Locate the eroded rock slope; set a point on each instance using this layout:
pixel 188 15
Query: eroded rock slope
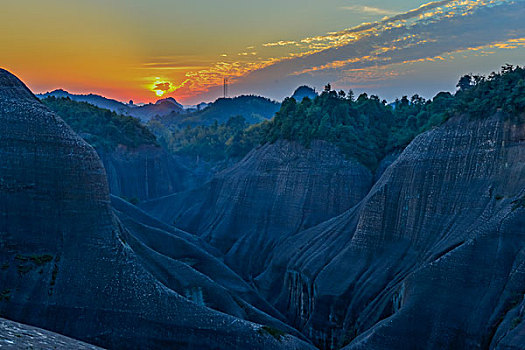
pixel 276 190
pixel 432 258
pixel 14 335
pixel 66 264
pixel 146 172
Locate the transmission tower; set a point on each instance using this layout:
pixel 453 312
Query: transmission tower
pixel 225 87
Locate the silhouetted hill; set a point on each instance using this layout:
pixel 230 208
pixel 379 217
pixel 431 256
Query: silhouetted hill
pixel 96 100
pixel 254 109
pixel 163 107
pixel 143 112
pixel 304 91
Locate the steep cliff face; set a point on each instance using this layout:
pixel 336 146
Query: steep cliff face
pixel 65 261
pixel 276 190
pixel 146 172
pixel 432 258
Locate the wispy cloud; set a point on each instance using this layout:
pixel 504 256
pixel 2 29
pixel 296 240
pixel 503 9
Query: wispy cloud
pixel 427 33
pixel 369 10
pixel 280 43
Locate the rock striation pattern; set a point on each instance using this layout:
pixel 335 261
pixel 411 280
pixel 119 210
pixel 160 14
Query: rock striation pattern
pixel 146 172
pixel 275 191
pixel 189 266
pixel 65 261
pixel 14 335
pixel 433 257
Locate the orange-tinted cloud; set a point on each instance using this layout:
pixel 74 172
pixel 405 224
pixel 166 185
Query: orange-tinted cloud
pixel 425 34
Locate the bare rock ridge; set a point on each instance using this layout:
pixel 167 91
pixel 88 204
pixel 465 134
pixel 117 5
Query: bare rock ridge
pixel 68 262
pixel 276 190
pixel 432 258
pixel 14 335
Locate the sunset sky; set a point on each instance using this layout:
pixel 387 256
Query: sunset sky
pixel 140 50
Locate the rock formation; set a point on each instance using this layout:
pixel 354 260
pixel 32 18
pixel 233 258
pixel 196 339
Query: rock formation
pixel 146 172
pixel 428 252
pixel 67 261
pixel 275 191
pixel 432 258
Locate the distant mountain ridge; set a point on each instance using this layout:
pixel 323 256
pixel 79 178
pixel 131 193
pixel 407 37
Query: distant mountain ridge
pixel 254 109
pixel 143 112
pixel 97 100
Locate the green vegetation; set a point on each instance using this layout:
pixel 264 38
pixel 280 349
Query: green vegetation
pixel 55 271
pixel 23 269
pixel 54 275
pixel 367 129
pixel 101 127
pixel 232 139
pixel 132 200
pixel 274 332
pixel 480 96
pixel 254 109
pixel 518 203
pixel 364 128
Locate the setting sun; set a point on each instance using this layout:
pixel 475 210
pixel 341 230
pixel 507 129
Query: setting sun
pixel 161 87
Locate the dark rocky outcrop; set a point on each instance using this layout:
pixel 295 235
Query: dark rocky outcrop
pixel 432 258
pixel 276 190
pixel 67 261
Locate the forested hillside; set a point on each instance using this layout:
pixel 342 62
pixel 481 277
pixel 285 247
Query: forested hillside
pixel 367 128
pixel 101 127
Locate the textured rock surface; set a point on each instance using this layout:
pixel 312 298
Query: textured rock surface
pixel 276 190
pixel 65 264
pixel 186 264
pixel 432 258
pixel 145 173
pixel 14 335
